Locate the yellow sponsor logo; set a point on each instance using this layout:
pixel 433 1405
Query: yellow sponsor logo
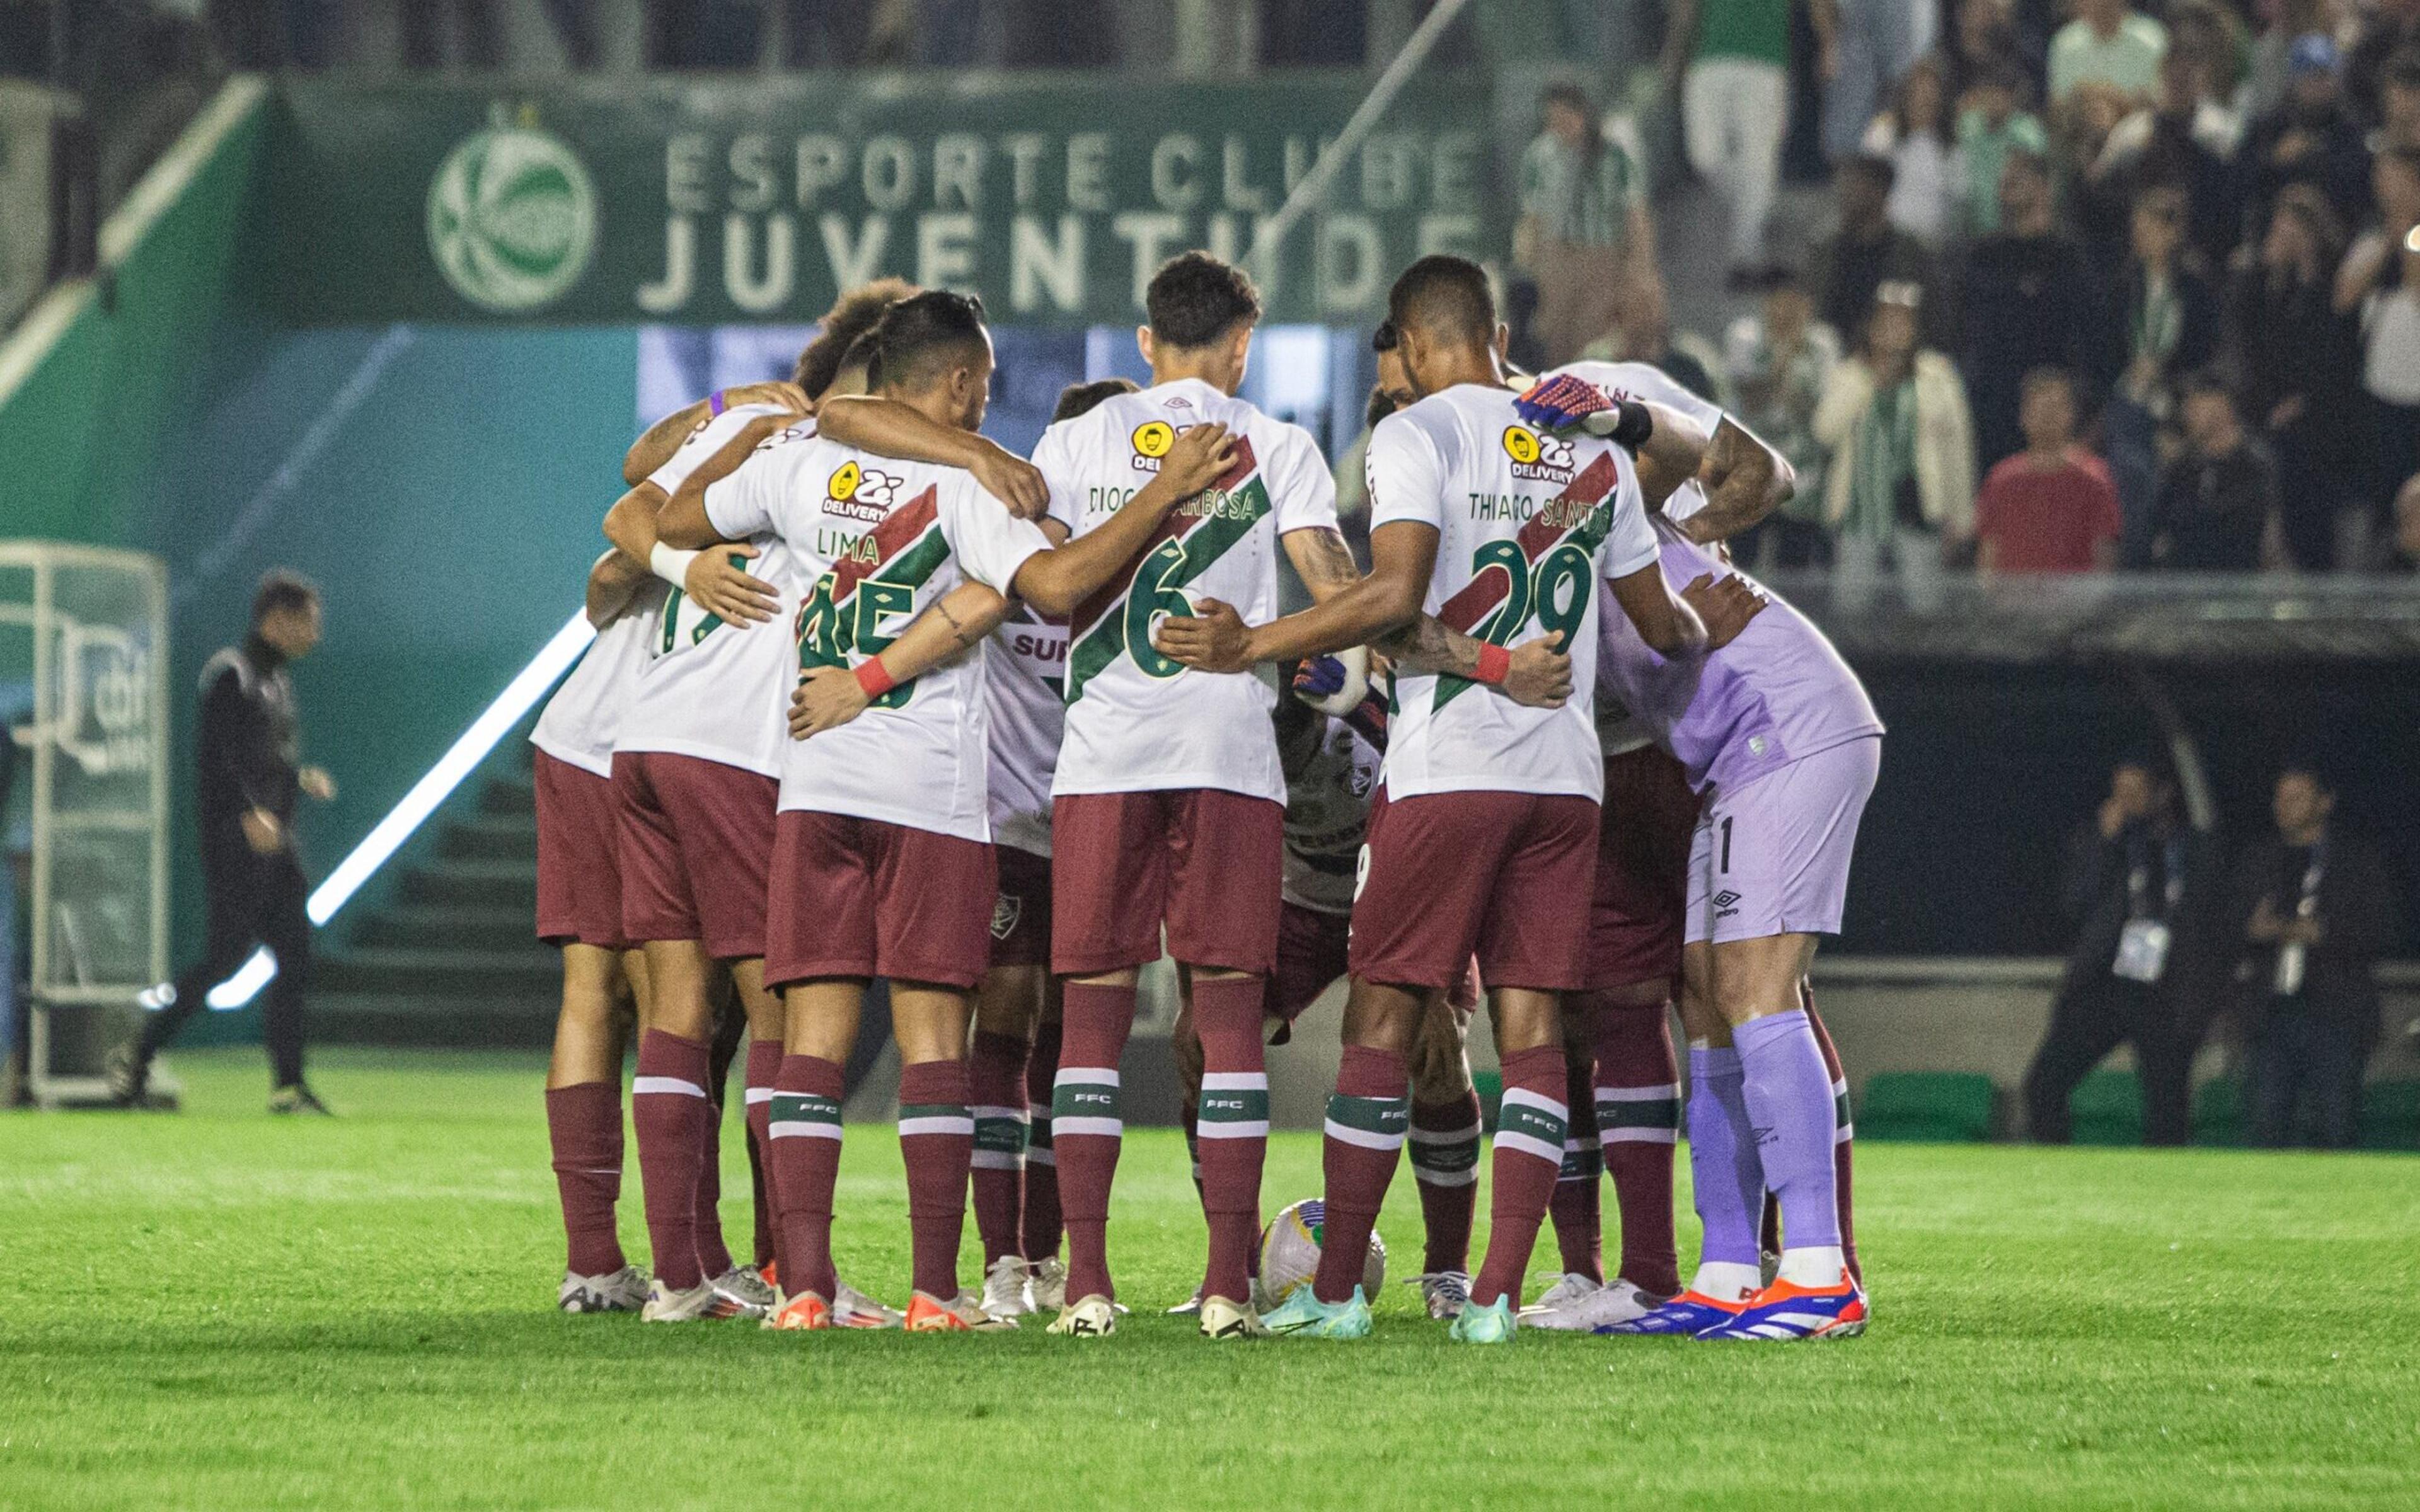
pixel 1521 443
pixel 1153 439
pixel 844 481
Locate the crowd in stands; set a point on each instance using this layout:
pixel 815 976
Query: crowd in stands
pixel 2101 288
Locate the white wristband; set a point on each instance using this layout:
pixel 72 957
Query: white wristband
pixel 671 565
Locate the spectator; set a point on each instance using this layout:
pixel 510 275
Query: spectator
pixel 2170 329
pixel 2309 138
pixel 1901 478
pixel 1990 129
pixel 2212 42
pixel 2172 142
pixel 2389 27
pixel 1867 251
pixel 1779 361
pixel 2283 21
pixel 1734 93
pixel 2298 360
pixel 1983 42
pixel 1584 230
pixel 2107 43
pixel 2315 908
pixel 2027 298
pixel 1642 333
pixel 2217 507
pixel 2050 507
pixel 2381 282
pixel 1918 135
pixel 1864 49
pixel 2141 887
pixel 2398 110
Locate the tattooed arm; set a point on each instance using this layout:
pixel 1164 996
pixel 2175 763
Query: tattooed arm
pixel 958 621
pixel 1744 479
pixel 1539 674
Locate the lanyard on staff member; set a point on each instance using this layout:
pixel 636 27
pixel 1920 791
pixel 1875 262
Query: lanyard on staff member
pixel 2143 944
pixel 2293 955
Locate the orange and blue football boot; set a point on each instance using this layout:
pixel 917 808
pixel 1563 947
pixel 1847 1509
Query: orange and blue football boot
pixel 1688 1315
pixel 1785 1311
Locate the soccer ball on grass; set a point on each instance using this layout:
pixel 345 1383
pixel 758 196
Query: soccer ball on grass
pixel 1290 1255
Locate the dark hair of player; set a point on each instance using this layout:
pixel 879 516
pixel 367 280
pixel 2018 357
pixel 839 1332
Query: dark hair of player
pixel 1385 338
pixel 2048 375
pixel 1082 398
pixel 852 315
pixel 282 588
pixel 1445 297
pixel 1382 404
pixel 1195 299
pixel 922 335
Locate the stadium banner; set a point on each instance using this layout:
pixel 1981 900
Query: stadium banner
pixel 701 203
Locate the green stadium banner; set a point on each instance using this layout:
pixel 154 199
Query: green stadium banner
pixel 707 202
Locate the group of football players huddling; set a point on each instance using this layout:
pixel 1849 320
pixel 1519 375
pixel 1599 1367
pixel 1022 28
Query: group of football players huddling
pixel 873 699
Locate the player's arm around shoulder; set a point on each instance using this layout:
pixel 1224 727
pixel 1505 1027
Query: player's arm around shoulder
pixel 664 527
pixel 1056 580
pixel 829 696
pixel 891 428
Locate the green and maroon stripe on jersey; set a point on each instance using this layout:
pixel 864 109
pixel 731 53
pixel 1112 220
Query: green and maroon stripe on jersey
pixel 1185 545
pixel 1572 516
pixel 880 576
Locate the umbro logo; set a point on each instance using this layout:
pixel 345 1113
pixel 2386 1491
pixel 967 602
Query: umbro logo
pixel 1726 898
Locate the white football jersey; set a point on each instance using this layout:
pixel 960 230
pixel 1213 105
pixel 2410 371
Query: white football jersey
pixel 711 690
pixel 1527 524
pixel 877 541
pixel 1617 728
pixel 1136 721
pixel 580 721
pixel 1326 818
pixel 1025 666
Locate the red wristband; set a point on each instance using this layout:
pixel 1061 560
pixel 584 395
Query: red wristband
pixel 1494 662
pixel 871 677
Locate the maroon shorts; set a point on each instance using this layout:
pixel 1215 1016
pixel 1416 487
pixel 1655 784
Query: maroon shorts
pixel 1310 956
pixel 1206 862
pixel 1499 875
pixel 578 875
pixel 863 898
pixel 1642 870
pixel 696 837
pixel 1020 914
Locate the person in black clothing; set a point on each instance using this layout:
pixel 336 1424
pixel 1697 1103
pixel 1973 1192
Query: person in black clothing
pixel 247 758
pixel 2311 137
pixel 2027 298
pixel 2314 909
pixel 2217 509
pixel 2170 330
pixel 1867 250
pixel 2143 886
pixel 2300 361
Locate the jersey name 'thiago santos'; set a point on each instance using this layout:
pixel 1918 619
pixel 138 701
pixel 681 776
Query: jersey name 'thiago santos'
pixel 708 688
pixel 1527 523
pixel 877 541
pixel 1136 721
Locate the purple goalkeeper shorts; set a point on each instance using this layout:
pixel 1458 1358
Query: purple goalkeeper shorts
pixel 1772 857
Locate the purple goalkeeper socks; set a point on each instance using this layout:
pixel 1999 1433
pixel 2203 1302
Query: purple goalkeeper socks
pixel 1789 1097
pixel 1727 1179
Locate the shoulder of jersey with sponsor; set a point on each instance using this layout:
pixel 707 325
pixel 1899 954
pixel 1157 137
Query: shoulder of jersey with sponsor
pixel 1538 458
pixel 803 431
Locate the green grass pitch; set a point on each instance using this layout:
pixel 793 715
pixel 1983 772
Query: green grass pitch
pixel 221 1310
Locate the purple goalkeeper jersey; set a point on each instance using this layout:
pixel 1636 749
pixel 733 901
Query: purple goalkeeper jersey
pixel 1773 696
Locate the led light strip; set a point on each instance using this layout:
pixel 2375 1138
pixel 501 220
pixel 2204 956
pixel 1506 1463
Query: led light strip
pixel 435 786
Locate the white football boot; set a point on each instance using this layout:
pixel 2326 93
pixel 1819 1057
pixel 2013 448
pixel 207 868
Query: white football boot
pixel 623 1291
pixel 1007 1289
pixel 1616 1301
pixel 853 1308
pixel 745 1289
pixel 1225 1319
pixel 1090 1317
pixel 1445 1293
pixel 1568 1288
pixel 694 1304
pixel 1050 1285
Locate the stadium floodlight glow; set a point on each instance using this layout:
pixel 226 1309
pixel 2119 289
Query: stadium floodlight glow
pixel 435 786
